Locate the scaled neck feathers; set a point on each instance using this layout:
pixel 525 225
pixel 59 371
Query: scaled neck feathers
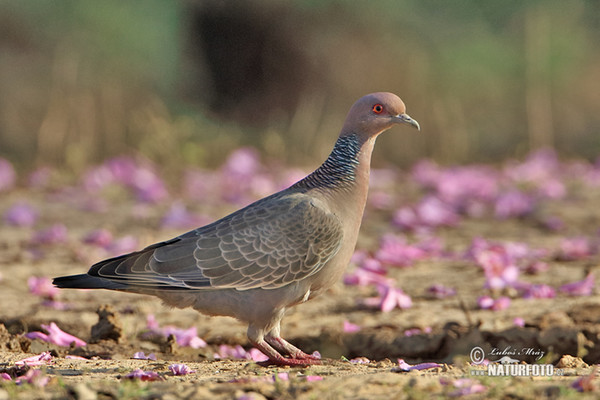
pixel 339 170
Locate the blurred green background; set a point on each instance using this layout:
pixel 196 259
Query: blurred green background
pixel 185 82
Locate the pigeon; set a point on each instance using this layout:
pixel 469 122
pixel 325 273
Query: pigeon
pixel 273 254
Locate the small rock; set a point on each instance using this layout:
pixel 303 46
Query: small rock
pixel 568 361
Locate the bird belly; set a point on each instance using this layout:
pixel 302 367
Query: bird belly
pixel 246 305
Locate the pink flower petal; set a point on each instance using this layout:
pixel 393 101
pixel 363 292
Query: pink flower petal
pixel 42 286
pixel 576 248
pixel 56 336
pixel 180 369
pixel 35 361
pixel 539 291
pixel 514 204
pixel 487 303
pixel 350 327
pixel 149 376
pixel 55 234
pixel 184 337
pixel 37 335
pixel 536 267
pixel 584 287
pixel 403 366
pixel 394 251
pixel 364 277
pixel 440 291
pixel 33 377
pixel 57 305
pixel 61 338
pixel 392 298
pixel 40 178
pixel 585 383
pixel 235 352
pixel 257 355
pixel 21 214
pixel 99 237
pixel 313 378
pixel 465 387
pixel 140 355
pixel 498 267
pixel 360 360
pixel 417 331
pixel 281 376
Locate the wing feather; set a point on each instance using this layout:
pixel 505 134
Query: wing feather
pixel 268 244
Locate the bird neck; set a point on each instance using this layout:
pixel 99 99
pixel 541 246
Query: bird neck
pixel 347 165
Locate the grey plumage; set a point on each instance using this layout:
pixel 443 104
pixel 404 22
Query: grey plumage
pixel 274 253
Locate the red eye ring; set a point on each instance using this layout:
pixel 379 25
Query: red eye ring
pixel 377 108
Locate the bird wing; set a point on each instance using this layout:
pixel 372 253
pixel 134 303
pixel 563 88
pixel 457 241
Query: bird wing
pixel 268 244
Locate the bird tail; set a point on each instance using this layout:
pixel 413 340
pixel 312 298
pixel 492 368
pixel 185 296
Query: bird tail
pixel 85 281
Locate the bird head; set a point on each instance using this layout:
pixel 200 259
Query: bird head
pixel 375 113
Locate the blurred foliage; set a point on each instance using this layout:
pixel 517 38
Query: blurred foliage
pixel 188 81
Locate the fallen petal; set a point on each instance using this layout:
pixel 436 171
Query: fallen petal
pixel 466 386
pixel 281 376
pixel 140 355
pixel 579 288
pixel 55 234
pixel 149 376
pixel 349 327
pixel 257 355
pixel 61 338
pixel 313 378
pixel 403 366
pixel 180 369
pixel 98 237
pixel 585 383
pixel 42 286
pixel 440 291
pixel 360 360
pixel 34 361
pixel 34 377
pixel 21 214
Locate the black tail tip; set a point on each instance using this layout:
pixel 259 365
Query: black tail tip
pixel 82 281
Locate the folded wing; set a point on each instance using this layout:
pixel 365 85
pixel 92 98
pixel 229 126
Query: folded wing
pixel 268 244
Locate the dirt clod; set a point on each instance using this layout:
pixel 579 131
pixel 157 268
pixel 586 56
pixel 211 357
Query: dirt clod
pixel 108 327
pixel 8 341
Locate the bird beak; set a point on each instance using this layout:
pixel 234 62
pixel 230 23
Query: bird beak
pixel 406 119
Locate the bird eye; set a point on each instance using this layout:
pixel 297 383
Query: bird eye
pixel 377 108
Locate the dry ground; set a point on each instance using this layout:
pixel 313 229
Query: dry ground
pixel 560 326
